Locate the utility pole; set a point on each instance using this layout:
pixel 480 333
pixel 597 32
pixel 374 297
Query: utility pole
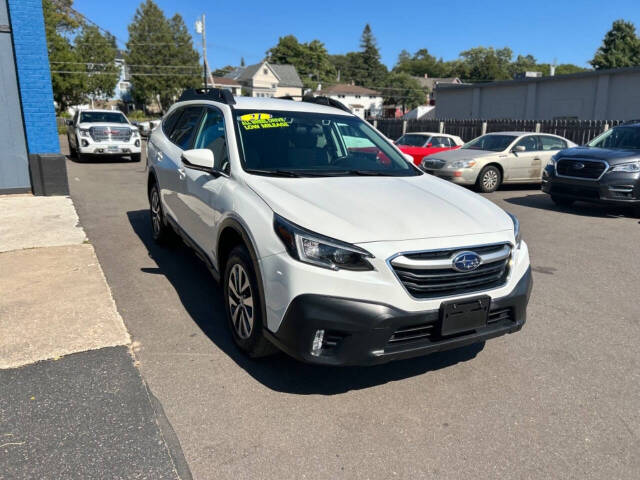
pixel 201 28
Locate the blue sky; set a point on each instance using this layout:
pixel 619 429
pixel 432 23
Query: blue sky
pixel 567 30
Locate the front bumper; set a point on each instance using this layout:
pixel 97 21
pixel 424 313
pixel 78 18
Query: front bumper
pixel 462 176
pixel 87 146
pixel 617 188
pixel 358 332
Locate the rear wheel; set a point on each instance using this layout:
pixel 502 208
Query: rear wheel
pixel 489 179
pixel 161 232
pixel 562 201
pixel 244 305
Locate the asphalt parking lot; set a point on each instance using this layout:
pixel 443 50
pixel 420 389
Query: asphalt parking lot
pixel 560 399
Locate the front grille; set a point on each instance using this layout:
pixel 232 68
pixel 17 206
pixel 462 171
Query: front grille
pixel 430 332
pixel 431 274
pixel 584 192
pixel 587 169
pixel 433 163
pixel 103 134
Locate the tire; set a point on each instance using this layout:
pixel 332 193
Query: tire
pixel 161 232
pixel 562 201
pixel 489 179
pixel 243 305
pixel 636 211
pixel 73 151
pixel 135 157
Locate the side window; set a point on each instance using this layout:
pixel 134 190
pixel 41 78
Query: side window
pixel 212 136
pixel 439 142
pixel 170 121
pixel 185 128
pixel 530 143
pixel 352 138
pixel 552 143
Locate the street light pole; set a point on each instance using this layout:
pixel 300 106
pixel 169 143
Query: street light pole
pixel 201 28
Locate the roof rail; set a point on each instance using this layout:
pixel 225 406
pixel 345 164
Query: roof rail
pixel 327 101
pixel 215 94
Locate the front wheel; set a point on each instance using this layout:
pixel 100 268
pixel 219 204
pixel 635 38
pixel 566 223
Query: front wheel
pixel 244 305
pixel 135 157
pixel 489 179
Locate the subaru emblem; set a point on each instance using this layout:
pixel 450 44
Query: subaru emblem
pixel 579 166
pixel 466 261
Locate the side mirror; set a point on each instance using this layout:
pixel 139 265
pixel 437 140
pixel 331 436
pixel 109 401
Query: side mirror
pixel 69 123
pixel 407 157
pixel 198 159
pixel 519 148
pixel 429 145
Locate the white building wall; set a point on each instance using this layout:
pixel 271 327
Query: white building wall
pixel 371 103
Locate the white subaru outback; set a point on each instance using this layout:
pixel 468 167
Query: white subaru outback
pixel 103 132
pixel 334 248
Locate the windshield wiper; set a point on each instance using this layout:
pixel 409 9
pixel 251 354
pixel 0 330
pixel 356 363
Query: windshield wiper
pixel 273 173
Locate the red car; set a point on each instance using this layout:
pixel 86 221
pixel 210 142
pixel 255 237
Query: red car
pixel 421 144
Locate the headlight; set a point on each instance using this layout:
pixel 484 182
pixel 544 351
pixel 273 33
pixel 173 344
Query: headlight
pixel 135 133
pixel 461 164
pixel 516 229
pixel 315 249
pixel 631 167
pixel 552 161
pixel 84 132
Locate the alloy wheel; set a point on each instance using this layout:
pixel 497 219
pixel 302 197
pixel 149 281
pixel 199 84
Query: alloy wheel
pixel 156 217
pixel 490 180
pixel 240 299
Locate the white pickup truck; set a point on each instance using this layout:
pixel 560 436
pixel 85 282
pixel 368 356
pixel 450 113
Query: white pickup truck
pixel 103 132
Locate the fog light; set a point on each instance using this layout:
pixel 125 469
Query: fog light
pixel 137 143
pixel 85 143
pixel 316 346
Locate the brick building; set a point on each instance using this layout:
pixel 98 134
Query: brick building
pixel 30 159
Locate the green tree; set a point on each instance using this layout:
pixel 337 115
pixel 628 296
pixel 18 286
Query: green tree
pixel 372 71
pixel 348 67
pixel 161 56
pixel 60 26
pixel 620 47
pixel 486 64
pixel 98 52
pixel 420 64
pixel 524 63
pixel 402 89
pixel 311 59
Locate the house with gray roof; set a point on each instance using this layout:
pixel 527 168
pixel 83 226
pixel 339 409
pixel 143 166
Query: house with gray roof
pixel 266 79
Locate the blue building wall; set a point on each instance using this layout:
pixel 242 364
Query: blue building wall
pixel 34 76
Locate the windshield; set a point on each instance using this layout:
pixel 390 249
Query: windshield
pixel 412 140
pixel 315 144
pixel 491 143
pixel 102 117
pixel 624 138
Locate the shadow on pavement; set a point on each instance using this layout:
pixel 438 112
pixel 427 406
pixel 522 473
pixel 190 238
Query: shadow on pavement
pixel 101 159
pixel 202 298
pixel 542 201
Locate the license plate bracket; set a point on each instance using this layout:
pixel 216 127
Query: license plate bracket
pixel 464 315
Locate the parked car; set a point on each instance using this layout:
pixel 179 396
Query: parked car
pixel 605 170
pixel 313 243
pixel 421 144
pixel 103 132
pixel 496 158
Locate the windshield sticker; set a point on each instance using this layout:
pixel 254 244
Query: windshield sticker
pixel 256 121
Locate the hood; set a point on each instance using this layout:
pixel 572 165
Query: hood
pixel 463 154
pixel 372 209
pixel 106 124
pixel 611 156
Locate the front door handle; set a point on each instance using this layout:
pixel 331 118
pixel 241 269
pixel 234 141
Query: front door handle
pixel 181 173
pixel 536 159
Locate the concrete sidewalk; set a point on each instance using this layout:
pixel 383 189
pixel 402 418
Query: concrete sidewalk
pixel 54 299
pixel 72 402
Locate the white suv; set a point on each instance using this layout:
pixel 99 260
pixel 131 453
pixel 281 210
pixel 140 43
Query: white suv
pixel 103 132
pixel 334 248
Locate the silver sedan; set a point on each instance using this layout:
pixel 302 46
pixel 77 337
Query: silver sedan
pixel 497 158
